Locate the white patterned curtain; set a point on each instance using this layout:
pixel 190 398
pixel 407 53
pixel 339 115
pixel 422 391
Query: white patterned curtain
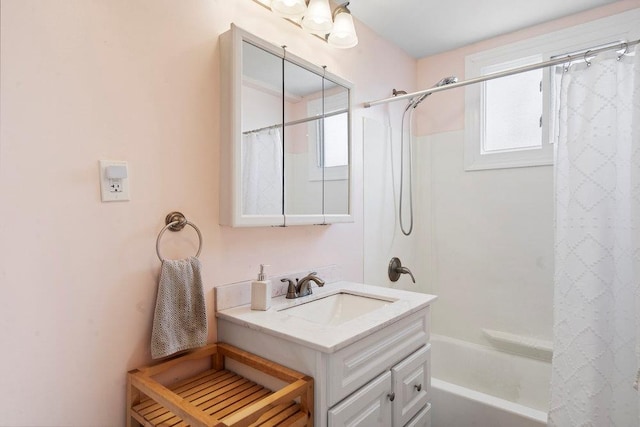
pixel 262 160
pixel 597 261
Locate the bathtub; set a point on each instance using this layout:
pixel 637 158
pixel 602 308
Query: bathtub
pixel 475 385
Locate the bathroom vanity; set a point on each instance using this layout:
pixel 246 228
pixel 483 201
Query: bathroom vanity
pixel 366 347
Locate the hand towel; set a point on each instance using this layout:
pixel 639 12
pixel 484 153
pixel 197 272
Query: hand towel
pixel 180 318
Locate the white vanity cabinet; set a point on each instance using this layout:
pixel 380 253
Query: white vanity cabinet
pixel 398 397
pixel 378 376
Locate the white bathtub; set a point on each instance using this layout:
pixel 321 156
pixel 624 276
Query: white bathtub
pixel 474 385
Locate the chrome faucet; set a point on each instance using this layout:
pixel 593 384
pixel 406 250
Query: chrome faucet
pixel 302 287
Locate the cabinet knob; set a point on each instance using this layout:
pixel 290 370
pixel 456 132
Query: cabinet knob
pixel 391 396
pixel 418 387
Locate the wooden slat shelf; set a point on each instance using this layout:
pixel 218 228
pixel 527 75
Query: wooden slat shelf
pixel 218 397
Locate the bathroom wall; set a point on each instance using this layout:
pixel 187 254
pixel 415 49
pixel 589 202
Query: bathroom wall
pixel 137 81
pixel 487 250
pixel 383 238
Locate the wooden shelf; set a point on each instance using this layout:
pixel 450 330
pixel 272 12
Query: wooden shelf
pixel 218 397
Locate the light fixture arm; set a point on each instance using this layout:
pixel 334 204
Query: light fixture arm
pixel 340 9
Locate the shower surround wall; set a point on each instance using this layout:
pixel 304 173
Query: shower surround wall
pixel 484 239
pixel 138 81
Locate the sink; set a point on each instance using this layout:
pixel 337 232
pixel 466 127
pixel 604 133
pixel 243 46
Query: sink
pixel 337 308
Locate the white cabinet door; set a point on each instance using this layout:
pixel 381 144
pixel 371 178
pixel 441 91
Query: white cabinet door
pixel 368 407
pixel 411 384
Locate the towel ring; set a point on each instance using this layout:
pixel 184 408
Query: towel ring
pixel 175 221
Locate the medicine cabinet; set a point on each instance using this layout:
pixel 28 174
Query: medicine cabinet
pixel 285 155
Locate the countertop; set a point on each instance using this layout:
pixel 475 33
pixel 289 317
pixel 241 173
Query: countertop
pixel 329 338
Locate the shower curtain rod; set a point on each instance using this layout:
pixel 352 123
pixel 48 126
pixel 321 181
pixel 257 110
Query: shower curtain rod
pixel 505 73
pixel 297 122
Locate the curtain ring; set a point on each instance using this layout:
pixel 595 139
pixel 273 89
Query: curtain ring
pixel 626 48
pixel 587 59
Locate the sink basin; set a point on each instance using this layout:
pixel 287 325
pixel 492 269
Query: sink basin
pixel 337 308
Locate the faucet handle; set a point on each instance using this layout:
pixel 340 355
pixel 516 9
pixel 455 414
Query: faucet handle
pixel 396 269
pixel 291 289
pixel 405 270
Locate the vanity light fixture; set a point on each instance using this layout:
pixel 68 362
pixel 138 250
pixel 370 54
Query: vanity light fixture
pixel 315 17
pixel 343 35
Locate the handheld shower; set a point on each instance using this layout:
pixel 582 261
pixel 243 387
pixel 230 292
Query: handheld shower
pixel 413 103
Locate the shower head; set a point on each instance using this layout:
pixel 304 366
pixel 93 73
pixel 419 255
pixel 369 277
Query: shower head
pixel 447 81
pixel 414 102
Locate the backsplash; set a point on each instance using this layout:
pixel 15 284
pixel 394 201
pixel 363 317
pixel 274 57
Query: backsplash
pixel 239 293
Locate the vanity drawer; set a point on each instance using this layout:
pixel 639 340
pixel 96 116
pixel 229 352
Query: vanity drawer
pixel 423 419
pixel 412 384
pixel 355 365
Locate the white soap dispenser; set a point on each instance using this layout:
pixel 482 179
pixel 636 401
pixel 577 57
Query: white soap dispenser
pixel 261 291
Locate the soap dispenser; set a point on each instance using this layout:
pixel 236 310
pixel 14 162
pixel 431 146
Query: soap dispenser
pixel 261 291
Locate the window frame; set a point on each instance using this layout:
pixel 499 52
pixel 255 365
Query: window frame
pixel 622 26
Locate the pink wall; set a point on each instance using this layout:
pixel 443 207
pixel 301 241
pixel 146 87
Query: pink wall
pixel 137 81
pixel 444 111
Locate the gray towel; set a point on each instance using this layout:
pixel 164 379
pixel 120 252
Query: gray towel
pixel 180 318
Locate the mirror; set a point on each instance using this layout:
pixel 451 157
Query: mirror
pixel 302 116
pixel 261 150
pixel 335 152
pixel 285 153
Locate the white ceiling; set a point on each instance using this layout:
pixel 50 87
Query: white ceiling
pixel 427 27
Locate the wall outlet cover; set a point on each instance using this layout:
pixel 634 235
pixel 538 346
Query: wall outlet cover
pixel 114 181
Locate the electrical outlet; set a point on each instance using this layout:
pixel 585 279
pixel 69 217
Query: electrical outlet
pixel 115 185
pixel 114 181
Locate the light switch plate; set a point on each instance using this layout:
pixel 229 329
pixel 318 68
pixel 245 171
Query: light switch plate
pixel 114 189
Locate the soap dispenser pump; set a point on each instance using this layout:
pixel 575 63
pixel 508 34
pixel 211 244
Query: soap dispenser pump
pixel 261 291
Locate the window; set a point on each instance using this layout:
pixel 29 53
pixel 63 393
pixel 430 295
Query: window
pixel 332 163
pixel 336 146
pixel 506 119
pixel 512 118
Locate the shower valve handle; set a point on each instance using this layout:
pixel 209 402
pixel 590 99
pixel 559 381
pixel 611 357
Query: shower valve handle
pixel 396 269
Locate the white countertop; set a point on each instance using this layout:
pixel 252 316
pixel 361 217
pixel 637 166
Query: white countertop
pixel 329 338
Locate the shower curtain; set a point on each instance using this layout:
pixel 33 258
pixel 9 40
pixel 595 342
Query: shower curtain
pixel 262 173
pixel 596 299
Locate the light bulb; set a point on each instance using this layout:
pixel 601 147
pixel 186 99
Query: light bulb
pixel 317 19
pixel 291 9
pixel 343 35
